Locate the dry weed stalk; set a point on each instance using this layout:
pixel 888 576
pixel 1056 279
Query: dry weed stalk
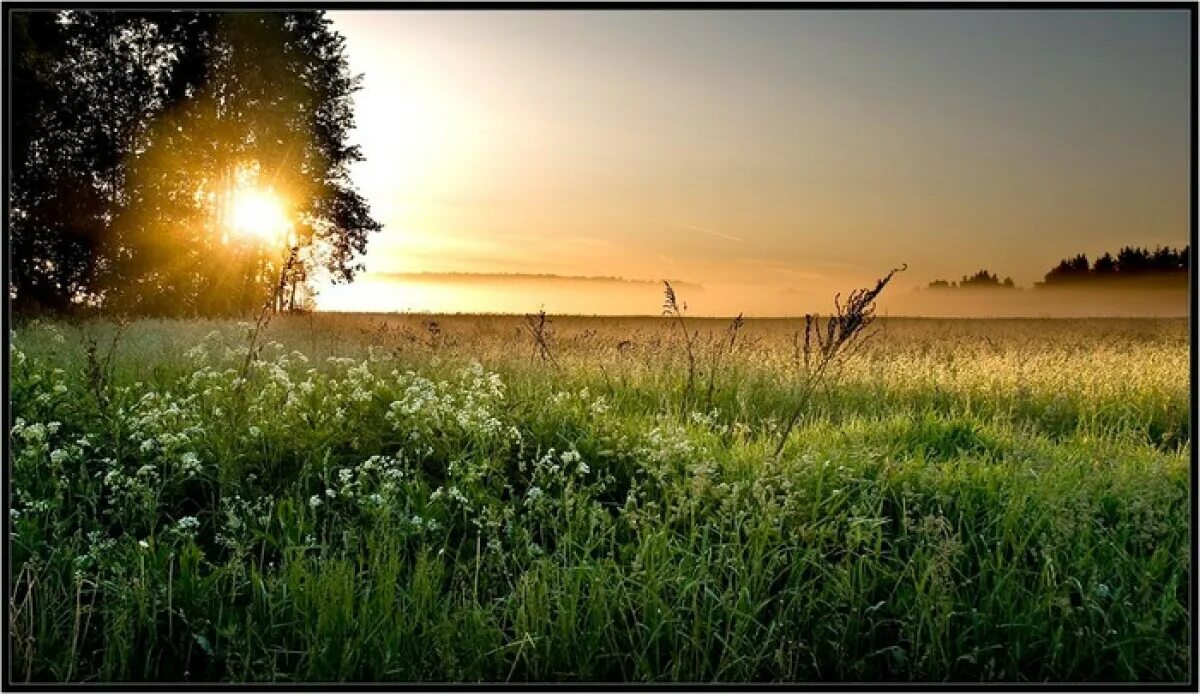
pixel 99 370
pixel 723 348
pixel 828 346
pixel 671 307
pixel 538 328
pixel 261 321
pixel 435 334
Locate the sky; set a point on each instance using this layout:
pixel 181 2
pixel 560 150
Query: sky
pixel 766 159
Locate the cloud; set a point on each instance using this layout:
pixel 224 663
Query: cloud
pixel 512 277
pixel 710 232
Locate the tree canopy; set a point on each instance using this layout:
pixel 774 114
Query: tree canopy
pixel 980 280
pixel 1131 262
pixel 1132 266
pixel 137 131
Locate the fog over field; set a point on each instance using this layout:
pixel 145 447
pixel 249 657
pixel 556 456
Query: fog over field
pixel 586 295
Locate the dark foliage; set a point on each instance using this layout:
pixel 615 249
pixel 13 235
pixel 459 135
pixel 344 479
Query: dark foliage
pixel 130 127
pixel 980 280
pixel 1130 263
pixel 1163 266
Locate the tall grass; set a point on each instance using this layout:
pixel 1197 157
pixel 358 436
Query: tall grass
pixel 373 499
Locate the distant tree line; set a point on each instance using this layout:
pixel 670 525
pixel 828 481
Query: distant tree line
pixel 980 280
pixel 1162 266
pixel 129 129
pixel 1130 263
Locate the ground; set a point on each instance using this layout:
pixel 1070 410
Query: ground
pixel 352 497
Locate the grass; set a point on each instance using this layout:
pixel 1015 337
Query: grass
pixel 379 500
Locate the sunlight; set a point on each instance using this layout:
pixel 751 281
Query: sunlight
pixel 258 214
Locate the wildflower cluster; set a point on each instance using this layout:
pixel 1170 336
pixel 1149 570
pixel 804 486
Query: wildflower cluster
pixel 425 407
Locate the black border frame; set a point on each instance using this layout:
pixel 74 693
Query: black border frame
pixel 1193 9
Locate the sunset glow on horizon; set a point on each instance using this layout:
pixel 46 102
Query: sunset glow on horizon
pixel 772 158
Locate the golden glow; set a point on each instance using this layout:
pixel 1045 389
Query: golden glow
pixel 258 214
pixel 756 165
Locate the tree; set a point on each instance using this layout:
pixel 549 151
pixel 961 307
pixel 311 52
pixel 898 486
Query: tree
pixel 980 280
pixel 1068 270
pixel 1105 265
pixel 1131 262
pixel 983 278
pixel 121 204
pixel 268 103
pixel 1166 260
pixel 68 156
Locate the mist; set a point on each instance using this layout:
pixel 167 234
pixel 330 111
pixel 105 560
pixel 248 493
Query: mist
pixel 517 293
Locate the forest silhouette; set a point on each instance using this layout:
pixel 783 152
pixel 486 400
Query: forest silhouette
pixel 1133 267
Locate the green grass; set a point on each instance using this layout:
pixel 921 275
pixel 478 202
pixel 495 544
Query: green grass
pixel 972 500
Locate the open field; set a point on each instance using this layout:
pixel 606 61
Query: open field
pixel 375 498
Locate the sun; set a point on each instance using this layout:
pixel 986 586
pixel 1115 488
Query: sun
pixel 257 213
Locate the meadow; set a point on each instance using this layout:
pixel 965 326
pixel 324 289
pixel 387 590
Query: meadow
pixel 438 498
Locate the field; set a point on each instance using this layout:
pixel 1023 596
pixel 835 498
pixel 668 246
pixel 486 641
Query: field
pixel 366 498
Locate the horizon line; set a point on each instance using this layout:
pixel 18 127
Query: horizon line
pixel 800 317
